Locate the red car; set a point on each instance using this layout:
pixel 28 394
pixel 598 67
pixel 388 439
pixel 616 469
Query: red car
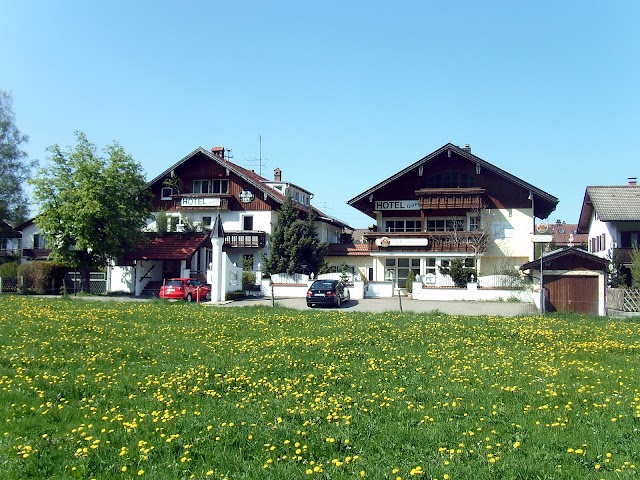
pixel 188 289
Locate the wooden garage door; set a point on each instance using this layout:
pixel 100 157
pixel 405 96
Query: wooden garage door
pixel 572 294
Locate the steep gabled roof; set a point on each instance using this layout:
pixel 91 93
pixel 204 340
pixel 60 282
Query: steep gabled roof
pixel 252 178
pixel 588 260
pixel 619 203
pixel 544 203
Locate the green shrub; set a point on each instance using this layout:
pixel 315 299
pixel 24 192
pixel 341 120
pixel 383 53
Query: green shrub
pixel 237 295
pixel 9 270
pixel 42 277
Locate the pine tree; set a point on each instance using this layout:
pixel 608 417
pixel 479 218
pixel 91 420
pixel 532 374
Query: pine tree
pixel 294 242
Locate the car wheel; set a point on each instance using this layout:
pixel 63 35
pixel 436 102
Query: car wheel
pixel 348 296
pixel 189 298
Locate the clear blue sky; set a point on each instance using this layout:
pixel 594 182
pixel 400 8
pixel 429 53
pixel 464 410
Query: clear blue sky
pixel 343 93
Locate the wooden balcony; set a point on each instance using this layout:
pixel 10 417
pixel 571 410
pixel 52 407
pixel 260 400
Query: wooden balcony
pixel 625 255
pixel 245 239
pixel 447 242
pixel 450 198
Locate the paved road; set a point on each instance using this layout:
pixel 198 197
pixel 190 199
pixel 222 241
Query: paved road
pixel 504 309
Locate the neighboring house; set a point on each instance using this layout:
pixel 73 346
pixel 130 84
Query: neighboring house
pixel 450 204
pixel 610 215
pixel 193 192
pixel 567 235
pixel 10 240
pixel 34 245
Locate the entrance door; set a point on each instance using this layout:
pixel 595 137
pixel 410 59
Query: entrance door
pixel 572 294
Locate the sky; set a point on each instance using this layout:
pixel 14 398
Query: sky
pixel 339 95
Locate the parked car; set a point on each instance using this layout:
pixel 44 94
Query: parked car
pixel 188 289
pixel 327 292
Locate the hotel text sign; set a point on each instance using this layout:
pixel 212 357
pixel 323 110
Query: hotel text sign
pixel 200 201
pixel 396 205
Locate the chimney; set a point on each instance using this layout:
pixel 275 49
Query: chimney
pixel 467 148
pixel 219 151
pixel 277 175
pixel 633 181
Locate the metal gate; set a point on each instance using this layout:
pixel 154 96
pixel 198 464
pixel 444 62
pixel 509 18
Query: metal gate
pixel 97 282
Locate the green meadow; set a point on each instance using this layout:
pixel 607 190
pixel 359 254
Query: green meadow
pixel 172 391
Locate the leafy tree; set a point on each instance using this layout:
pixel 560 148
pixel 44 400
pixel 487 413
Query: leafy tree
pixel 91 207
pixel 635 266
pixel 14 165
pixel 294 242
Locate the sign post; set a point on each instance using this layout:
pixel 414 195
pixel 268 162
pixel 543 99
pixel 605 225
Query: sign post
pixel 541 237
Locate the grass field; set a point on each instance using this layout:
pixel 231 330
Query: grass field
pixel 169 391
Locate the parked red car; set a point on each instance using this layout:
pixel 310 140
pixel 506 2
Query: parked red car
pixel 188 289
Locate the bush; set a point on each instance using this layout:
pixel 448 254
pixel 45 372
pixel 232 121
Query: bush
pixel 248 280
pixel 9 270
pixel 460 274
pixel 410 279
pixel 237 295
pixel 42 277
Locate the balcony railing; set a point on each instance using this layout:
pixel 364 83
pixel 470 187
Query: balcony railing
pixel 454 242
pixel 245 239
pixel 9 252
pixel 450 198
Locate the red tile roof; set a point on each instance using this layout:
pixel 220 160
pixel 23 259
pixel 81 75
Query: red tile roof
pixel 562 231
pixel 348 250
pixel 172 246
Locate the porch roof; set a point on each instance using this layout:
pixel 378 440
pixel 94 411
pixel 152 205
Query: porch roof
pixel 172 246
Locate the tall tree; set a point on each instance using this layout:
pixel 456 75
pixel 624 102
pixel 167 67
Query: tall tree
pixel 294 243
pixel 91 207
pixel 14 164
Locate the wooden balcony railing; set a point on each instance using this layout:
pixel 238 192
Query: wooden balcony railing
pixel 450 198
pixel 245 239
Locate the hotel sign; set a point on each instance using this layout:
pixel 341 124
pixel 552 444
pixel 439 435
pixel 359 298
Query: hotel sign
pixel 201 201
pixel 401 242
pixel 396 205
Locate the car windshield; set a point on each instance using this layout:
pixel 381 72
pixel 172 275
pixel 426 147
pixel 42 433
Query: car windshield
pixel 323 285
pixel 173 283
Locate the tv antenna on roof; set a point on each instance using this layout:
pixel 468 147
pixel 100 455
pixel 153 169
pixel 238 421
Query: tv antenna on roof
pixel 259 160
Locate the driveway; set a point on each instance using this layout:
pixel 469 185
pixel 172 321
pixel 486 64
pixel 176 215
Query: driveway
pixel 503 309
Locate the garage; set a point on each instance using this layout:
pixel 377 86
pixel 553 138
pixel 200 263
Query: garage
pixel 574 280
pixel 569 293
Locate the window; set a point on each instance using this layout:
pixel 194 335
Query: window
pixel 206 222
pixel 402 226
pixel 220 186
pixel 201 186
pixel 474 224
pixel 247 222
pixel 397 269
pixel 39 241
pixel 629 239
pixel 166 193
pixel 451 179
pixel 445 225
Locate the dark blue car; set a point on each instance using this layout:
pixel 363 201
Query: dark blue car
pixel 327 292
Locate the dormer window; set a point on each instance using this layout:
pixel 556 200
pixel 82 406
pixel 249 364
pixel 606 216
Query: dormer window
pixel 220 186
pixel 166 193
pixel 201 186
